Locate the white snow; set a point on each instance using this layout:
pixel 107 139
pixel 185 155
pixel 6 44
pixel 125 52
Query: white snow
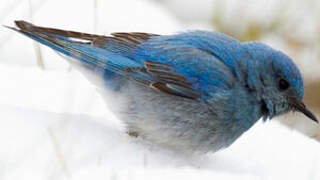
pixel 44 136
pixel 54 125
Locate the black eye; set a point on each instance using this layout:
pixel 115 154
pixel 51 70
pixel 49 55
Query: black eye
pixel 283 84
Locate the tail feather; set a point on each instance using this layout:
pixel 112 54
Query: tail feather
pixel 25 26
pixel 86 52
pixel 109 55
pixel 120 43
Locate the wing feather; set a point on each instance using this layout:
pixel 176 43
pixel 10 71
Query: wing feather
pixel 166 63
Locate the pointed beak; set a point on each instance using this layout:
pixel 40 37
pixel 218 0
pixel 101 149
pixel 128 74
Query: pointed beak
pixel 299 106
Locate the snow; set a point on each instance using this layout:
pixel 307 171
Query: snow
pixel 55 125
pixel 43 137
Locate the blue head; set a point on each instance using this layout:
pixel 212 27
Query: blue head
pixel 275 80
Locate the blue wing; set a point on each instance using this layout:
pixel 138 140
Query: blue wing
pixel 193 65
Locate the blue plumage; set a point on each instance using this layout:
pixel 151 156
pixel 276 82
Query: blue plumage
pixel 197 91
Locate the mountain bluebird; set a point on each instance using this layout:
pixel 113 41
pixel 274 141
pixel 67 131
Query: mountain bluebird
pixel 196 91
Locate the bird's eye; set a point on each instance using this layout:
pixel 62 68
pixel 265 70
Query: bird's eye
pixel 283 84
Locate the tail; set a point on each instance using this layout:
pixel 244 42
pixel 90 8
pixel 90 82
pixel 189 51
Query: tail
pixel 112 55
pixel 95 51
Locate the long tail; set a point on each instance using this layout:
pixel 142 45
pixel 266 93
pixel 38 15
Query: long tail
pixel 90 49
pixel 112 55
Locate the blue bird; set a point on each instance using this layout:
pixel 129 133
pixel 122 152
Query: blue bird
pixel 196 91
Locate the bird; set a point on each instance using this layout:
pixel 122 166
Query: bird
pixel 194 91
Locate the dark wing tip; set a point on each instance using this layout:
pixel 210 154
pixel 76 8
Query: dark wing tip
pixel 24 25
pixel 133 37
pixel 20 24
pixel 9 27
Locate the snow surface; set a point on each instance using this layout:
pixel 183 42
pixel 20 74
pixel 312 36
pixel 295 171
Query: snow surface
pixel 42 137
pixel 54 125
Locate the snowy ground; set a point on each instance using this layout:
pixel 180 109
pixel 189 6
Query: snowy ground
pixel 54 124
pixel 43 136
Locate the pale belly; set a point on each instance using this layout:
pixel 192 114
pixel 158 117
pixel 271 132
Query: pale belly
pixel 171 121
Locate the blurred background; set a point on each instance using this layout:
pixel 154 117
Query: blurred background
pixel 50 111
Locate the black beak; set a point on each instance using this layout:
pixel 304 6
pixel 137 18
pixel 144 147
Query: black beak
pixel 299 106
